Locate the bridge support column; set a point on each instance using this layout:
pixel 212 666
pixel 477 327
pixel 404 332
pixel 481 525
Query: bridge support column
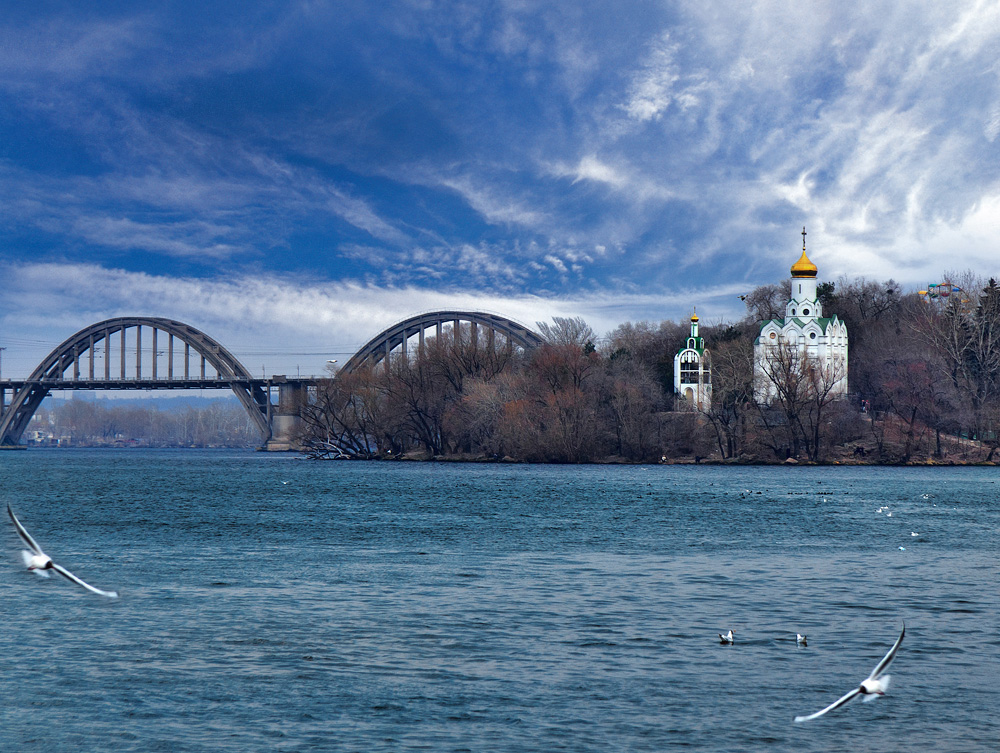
pixel 286 420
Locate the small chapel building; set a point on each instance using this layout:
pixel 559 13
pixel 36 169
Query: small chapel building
pixel 693 372
pixel 804 338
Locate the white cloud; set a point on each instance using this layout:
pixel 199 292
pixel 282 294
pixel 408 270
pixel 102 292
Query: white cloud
pixel 67 48
pixel 496 206
pixel 621 177
pixel 590 168
pixel 689 138
pixel 188 238
pixel 281 323
pixel 924 252
pixel 556 263
pixel 653 87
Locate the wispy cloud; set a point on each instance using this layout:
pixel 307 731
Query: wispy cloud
pixel 493 204
pixel 67 48
pixel 279 318
pixel 514 150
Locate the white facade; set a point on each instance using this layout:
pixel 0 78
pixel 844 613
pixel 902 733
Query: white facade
pixel 803 338
pixel 692 370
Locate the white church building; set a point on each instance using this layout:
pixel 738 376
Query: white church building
pixel 692 370
pixel 804 338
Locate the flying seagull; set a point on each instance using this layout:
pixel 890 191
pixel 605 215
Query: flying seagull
pixel 871 687
pixel 39 561
pixel 727 638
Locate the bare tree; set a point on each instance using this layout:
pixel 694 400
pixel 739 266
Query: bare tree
pixel 566 404
pixel 964 331
pixel 732 389
pixel 633 401
pixel 768 301
pixel 573 331
pixel 342 419
pixel 649 347
pixel 803 387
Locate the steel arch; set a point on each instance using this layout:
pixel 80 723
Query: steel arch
pixel 50 373
pixel 395 336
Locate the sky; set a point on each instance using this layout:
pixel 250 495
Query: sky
pixel 294 177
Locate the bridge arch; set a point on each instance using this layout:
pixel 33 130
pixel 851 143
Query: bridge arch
pixel 81 350
pixel 398 335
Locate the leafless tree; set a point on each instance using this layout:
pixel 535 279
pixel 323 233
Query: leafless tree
pixel 803 388
pixel 768 301
pixel 964 332
pixel 567 331
pixel 732 390
pixel 342 419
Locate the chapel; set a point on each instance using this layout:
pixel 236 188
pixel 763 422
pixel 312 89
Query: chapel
pixel 692 370
pixel 804 337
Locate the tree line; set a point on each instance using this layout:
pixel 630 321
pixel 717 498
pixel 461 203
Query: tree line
pixel 923 373
pixel 107 423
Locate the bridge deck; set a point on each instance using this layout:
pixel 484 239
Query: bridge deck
pixel 158 384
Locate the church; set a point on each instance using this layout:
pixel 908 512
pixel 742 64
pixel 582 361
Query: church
pixel 804 337
pixel 692 370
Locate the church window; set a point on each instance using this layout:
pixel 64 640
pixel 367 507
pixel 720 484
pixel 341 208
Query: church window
pixel 772 335
pixel 812 335
pixel 805 312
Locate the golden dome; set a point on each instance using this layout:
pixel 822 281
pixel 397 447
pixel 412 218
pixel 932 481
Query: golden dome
pixel 803 267
pixel 694 317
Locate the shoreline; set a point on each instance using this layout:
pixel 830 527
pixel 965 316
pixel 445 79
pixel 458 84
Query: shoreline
pixel 416 457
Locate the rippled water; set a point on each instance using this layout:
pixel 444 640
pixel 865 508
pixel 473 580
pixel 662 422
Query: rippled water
pixel 274 604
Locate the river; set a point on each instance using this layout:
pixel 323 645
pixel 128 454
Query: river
pixel 270 603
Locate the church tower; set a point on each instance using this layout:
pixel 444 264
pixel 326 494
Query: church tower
pixel 804 302
pixel 803 335
pixel 692 370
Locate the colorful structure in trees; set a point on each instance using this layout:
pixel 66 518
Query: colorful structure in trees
pixel 940 291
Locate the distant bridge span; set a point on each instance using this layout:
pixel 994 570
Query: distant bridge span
pixel 110 355
pixel 398 335
pixel 74 364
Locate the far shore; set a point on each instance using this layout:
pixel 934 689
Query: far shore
pixel 839 457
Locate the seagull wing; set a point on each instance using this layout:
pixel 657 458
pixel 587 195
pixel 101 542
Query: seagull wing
pixel 25 536
pixel 887 659
pixel 835 705
pixel 69 576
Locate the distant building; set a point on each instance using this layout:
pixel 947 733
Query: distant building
pixel 692 370
pixel 803 339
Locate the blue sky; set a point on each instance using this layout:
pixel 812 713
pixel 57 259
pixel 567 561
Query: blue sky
pixel 293 177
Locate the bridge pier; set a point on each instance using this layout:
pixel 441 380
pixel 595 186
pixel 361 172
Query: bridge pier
pixel 286 419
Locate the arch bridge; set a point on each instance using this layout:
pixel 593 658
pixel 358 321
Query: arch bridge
pixel 398 336
pixel 148 353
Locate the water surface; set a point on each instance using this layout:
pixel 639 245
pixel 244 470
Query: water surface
pixel 275 604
